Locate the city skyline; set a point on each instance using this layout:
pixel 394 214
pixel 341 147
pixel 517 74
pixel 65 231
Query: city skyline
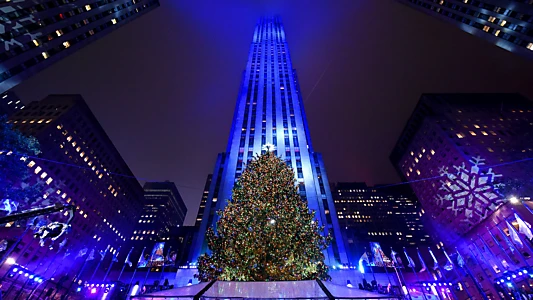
pixel 355 146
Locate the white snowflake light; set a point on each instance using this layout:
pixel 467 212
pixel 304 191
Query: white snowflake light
pixel 469 193
pixel 268 147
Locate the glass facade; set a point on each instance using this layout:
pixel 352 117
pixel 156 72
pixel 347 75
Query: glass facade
pixel 269 112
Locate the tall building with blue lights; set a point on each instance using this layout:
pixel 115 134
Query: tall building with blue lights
pixel 270 110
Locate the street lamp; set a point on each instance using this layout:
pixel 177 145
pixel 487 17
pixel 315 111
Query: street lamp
pixel 514 199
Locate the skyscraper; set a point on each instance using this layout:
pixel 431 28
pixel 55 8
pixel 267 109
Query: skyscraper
pixel 468 157
pixel 270 111
pixel 35 34
pixel 390 215
pixel 9 103
pixel 163 211
pixel 80 166
pixel 506 23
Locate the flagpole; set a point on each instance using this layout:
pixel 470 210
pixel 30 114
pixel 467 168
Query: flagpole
pixel 412 264
pixel 111 265
pixel 459 276
pixel 424 264
pixel 125 262
pixel 149 268
pixel 163 269
pixel 394 260
pixel 500 246
pixel 80 272
pixel 490 251
pixel 371 270
pixel 528 243
pixel 385 267
pixel 135 269
pixel 510 227
pixel 442 272
pixel 470 273
pixel 100 262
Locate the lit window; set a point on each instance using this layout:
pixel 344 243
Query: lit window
pixel 503 22
pixel 36 42
pixel 114 21
pixel 432 152
pixel 484 133
pixel 66 44
pixel 43 175
pixel 31 164
pixel 85 216
pixel 476 126
pixel 37 170
pixel 491 19
pixel 497 32
pixel 91 32
pixel 64 196
pixel 49 180
pixel 490 149
pixel 78 149
pixel 69 139
pixel 82 154
pixel 472 133
pixel 88 7
pixel 48 121
pixel 45 55
pixel 59 32
pixel 418 172
pixel 460 135
pixel 100 176
pixel 530 46
pixel 486 28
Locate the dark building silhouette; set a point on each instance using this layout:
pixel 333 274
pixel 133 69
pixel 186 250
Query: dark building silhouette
pixel 507 24
pixel 36 34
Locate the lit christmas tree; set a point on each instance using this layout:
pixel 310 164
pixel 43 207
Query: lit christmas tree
pixel 266 231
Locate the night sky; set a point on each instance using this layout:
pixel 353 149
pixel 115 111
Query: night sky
pixel 164 86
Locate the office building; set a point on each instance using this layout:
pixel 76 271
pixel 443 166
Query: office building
pixel 270 111
pixel 468 159
pixel 389 215
pixel 78 165
pixel 35 34
pixel 507 24
pixel 163 212
pixel 9 103
pixel 201 209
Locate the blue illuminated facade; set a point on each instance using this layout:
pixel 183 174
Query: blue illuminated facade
pixel 270 110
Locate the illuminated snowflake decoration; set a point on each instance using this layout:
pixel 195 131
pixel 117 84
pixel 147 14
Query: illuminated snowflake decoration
pixel 469 192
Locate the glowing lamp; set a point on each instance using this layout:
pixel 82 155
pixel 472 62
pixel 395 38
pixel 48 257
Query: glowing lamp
pixel 513 199
pixel 423 284
pixel 509 284
pixel 15 269
pixel 10 261
pixel 36 279
pixel 40 280
pixel 440 284
pixel 113 285
pixel 135 289
pixel 525 271
pixel 520 273
pixel 26 274
pixel 31 276
pixel 20 272
pixel 514 276
pixel 93 291
pixel 508 278
pixel 78 289
pixel 349 284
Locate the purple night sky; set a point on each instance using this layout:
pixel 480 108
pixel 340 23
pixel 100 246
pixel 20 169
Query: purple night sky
pixel 164 86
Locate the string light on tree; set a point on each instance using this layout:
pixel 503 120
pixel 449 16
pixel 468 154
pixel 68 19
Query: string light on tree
pixel 249 243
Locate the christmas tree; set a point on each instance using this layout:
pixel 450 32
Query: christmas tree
pixel 266 231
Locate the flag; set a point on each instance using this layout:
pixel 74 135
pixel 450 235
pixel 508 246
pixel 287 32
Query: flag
pixel 67 253
pixel 62 244
pixel 410 260
pixel 104 252
pixel 91 255
pixel 514 235
pixel 393 256
pixel 424 268
pixel 364 257
pixel 435 263
pixel 523 227
pixel 449 265
pixel 460 260
pixel 3 245
pixel 115 255
pixel 128 258
pixel 81 253
pixel 142 260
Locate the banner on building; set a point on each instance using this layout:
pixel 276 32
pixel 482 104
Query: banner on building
pixel 157 258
